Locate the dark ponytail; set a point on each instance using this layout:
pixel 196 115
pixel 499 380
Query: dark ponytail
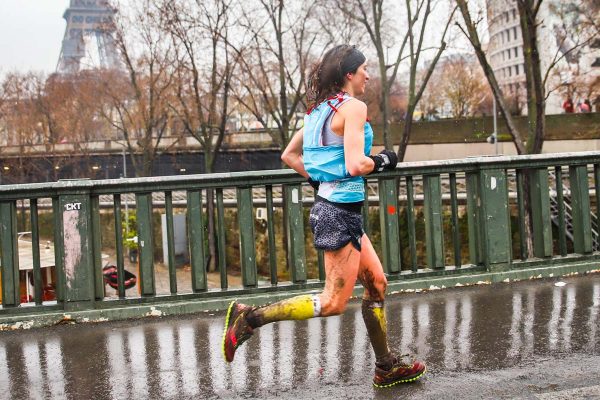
pixel 326 78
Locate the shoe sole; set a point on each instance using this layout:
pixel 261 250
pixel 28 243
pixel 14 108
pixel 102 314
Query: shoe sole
pixel 409 380
pixel 229 309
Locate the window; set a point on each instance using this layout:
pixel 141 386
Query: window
pixel 515 32
pixel 516 52
pixel 517 69
pixel 509 71
pixel 514 12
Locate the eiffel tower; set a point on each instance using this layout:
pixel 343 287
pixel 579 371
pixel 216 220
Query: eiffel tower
pixel 88 19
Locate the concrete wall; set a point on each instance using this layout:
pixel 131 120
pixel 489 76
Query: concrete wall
pixel 449 151
pixel 473 130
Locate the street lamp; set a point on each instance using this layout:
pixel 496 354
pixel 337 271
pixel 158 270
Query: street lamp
pixel 493 138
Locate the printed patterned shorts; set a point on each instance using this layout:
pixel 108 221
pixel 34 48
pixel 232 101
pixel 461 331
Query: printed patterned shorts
pixel 334 227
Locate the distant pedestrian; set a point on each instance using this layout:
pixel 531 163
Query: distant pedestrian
pixel 597 104
pixel 332 151
pixel 568 106
pixel 585 107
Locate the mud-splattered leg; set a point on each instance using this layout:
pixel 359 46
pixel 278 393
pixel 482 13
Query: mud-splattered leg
pixel 375 283
pixel 341 268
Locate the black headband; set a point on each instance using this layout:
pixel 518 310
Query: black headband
pixel 352 61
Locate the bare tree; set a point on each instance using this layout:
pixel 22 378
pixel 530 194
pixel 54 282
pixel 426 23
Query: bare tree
pixel 274 63
pixel 205 67
pixel 138 99
pixel 416 35
pixel 457 84
pixel 200 31
pixel 577 30
pixel 41 111
pixel 372 17
pixel 338 27
pixel 588 13
pixel 536 98
pixel 530 142
pixel 22 121
pixel 470 28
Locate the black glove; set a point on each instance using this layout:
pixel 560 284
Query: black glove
pixel 314 184
pixel 385 160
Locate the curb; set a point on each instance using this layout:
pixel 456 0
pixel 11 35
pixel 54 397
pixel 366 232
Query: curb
pixel 395 287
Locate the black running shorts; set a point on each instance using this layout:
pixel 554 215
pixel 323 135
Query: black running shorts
pixel 334 227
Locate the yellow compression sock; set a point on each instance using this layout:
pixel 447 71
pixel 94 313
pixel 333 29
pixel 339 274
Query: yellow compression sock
pixel 297 308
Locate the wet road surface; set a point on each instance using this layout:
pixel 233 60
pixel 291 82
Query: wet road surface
pixel 529 340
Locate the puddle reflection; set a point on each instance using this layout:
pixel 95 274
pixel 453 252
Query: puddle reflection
pixel 451 330
pixel 186 348
pixel 593 320
pixel 54 368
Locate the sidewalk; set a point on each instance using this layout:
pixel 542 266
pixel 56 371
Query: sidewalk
pixel 529 340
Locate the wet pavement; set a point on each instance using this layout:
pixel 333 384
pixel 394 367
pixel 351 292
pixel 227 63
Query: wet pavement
pixel 530 340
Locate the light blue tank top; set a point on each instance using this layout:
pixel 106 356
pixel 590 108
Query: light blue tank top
pixel 326 162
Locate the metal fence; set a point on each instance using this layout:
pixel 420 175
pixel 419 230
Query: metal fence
pixel 495 237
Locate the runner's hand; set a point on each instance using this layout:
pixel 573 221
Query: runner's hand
pixel 385 160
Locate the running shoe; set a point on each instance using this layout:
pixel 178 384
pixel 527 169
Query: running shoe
pixel 237 330
pixel 403 370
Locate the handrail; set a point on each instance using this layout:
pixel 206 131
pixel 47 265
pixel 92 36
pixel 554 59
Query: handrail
pixel 284 176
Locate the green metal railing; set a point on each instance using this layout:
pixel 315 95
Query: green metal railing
pixel 428 199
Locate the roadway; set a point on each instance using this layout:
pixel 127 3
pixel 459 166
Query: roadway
pixel 524 340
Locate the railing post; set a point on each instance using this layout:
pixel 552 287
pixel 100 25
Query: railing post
pixel 196 240
pixel 145 243
pixel 540 212
pixel 10 255
pixel 580 202
pixel 247 238
pixel 77 233
pixel 494 219
pixel 434 234
pixel 97 247
pixel 473 219
pixel 295 223
pixel 390 230
pixel 58 250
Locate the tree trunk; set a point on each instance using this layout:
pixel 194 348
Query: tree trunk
pixel 536 107
pixel 385 113
pixel 408 121
pixel 528 215
pixel 473 37
pixel 213 255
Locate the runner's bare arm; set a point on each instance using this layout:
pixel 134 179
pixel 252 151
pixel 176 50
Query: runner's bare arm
pixel 355 117
pixel 292 155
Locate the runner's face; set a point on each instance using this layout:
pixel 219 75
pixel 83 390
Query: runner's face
pixel 359 79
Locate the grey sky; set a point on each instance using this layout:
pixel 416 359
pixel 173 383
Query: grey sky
pixel 31 33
